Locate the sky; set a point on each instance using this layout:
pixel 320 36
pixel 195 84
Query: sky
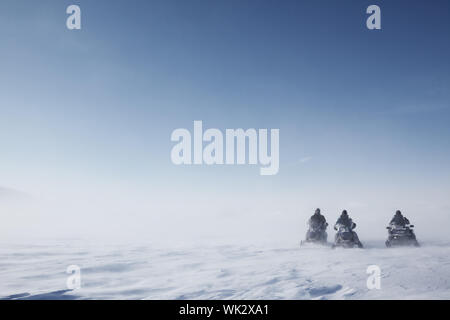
pixel 86 116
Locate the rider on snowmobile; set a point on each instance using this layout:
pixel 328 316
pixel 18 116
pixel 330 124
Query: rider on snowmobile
pixel 317 222
pixel 346 221
pixel 400 231
pixel 399 220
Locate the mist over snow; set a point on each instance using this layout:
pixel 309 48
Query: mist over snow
pixel 185 214
pixel 207 271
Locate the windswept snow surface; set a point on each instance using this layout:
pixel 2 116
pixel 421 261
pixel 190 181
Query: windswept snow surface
pixel 223 272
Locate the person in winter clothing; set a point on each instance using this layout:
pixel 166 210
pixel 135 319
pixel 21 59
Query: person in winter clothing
pixel 399 220
pixel 400 231
pixel 345 220
pixel 317 223
pixel 318 220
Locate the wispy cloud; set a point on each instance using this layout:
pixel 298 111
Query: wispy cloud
pixel 419 108
pixel 8 193
pixel 304 160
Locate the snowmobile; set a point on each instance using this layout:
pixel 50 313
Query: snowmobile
pixel 401 236
pixel 346 238
pixel 316 234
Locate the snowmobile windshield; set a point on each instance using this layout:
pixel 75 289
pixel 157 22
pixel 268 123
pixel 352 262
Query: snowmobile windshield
pixel 342 228
pixel 398 227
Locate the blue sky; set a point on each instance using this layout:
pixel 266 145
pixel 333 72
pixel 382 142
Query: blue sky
pixel 363 115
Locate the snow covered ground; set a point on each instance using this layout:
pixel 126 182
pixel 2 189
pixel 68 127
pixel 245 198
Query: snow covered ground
pixel 223 272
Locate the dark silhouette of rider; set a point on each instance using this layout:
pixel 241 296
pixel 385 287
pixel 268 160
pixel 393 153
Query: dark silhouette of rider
pixel 398 226
pixel 345 220
pixel 317 223
pixel 318 220
pixel 399 220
